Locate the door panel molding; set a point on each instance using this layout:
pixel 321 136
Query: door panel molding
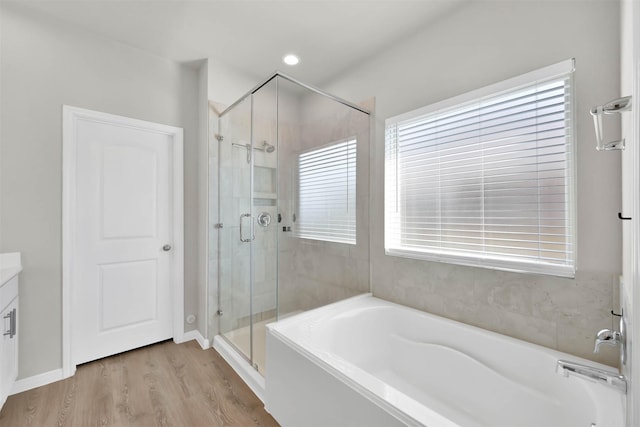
pixel 71 117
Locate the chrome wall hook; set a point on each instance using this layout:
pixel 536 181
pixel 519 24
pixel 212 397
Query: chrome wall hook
pixel 612 107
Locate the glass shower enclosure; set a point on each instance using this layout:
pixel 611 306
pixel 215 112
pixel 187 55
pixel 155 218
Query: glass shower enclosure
pixel 290 231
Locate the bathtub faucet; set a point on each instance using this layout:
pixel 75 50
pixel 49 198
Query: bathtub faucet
pixel 608 378
pixel 607 337
pixel 613 338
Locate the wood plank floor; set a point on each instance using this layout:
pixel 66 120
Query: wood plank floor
pixel 164 384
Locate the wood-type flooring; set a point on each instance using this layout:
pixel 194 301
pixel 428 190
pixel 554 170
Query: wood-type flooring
pixel 164 384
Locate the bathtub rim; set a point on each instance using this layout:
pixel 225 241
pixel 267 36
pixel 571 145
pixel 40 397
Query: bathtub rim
pixel 404 415
pixel 556 353
pixel 408 417
pixel 370 395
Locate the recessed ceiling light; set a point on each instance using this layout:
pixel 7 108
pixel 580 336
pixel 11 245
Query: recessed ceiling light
pixel 291 59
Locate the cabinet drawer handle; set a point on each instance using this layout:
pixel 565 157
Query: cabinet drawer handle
pixel 12 323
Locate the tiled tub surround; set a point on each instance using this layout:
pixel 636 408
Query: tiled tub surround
pixel 376 363
pixel 543 310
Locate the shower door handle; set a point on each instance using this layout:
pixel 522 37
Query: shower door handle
pixel 242 239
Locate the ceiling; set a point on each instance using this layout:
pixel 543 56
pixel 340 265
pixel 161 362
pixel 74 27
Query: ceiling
pixel 329 36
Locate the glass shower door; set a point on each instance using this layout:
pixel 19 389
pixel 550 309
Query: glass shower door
pixel 266 268
pixel 236 232
pixel 249 215
pixel 265 218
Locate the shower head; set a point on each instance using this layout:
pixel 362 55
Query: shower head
pixel 268 148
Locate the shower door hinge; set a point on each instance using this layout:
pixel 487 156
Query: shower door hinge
pixel 218 225
pixel 219 137
pixel 219 312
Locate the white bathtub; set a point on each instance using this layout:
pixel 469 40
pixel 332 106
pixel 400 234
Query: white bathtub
pixel 368 362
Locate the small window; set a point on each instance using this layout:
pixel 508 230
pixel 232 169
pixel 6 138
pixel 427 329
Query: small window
pixel 487 179
pixel 327 193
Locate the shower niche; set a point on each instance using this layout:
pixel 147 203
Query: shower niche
pixel 289 212
pixel 265 188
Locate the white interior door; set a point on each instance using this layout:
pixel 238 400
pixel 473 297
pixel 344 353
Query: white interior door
pixel 124 244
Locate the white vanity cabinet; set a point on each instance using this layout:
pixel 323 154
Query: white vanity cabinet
pixel 10 267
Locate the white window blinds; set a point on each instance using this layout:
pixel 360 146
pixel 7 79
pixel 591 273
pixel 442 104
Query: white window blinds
pixel 489 181
pixel 327 193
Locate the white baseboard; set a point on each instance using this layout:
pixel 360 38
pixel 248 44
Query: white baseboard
pixel 195 335
pixel 36 381
pixel 45 378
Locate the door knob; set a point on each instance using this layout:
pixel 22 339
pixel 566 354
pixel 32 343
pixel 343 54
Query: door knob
pixel 166 248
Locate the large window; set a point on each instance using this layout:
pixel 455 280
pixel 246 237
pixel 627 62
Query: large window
pixel 486 179
pixel 327 193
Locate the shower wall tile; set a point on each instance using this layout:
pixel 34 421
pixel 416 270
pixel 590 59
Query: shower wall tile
pixel 287 300
pixel 265 302
pixel 309 273
pixel 319 272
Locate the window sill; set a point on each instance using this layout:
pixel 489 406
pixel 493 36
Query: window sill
pixel 491 263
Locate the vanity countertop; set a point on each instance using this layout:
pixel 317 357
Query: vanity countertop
pixel 10 265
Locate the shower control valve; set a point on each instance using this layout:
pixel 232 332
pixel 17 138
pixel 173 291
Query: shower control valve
pixel 264 219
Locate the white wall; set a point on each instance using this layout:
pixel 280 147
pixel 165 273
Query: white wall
pixel 45 64
pixel 203 141
pixel 227 84
pixel 480 44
